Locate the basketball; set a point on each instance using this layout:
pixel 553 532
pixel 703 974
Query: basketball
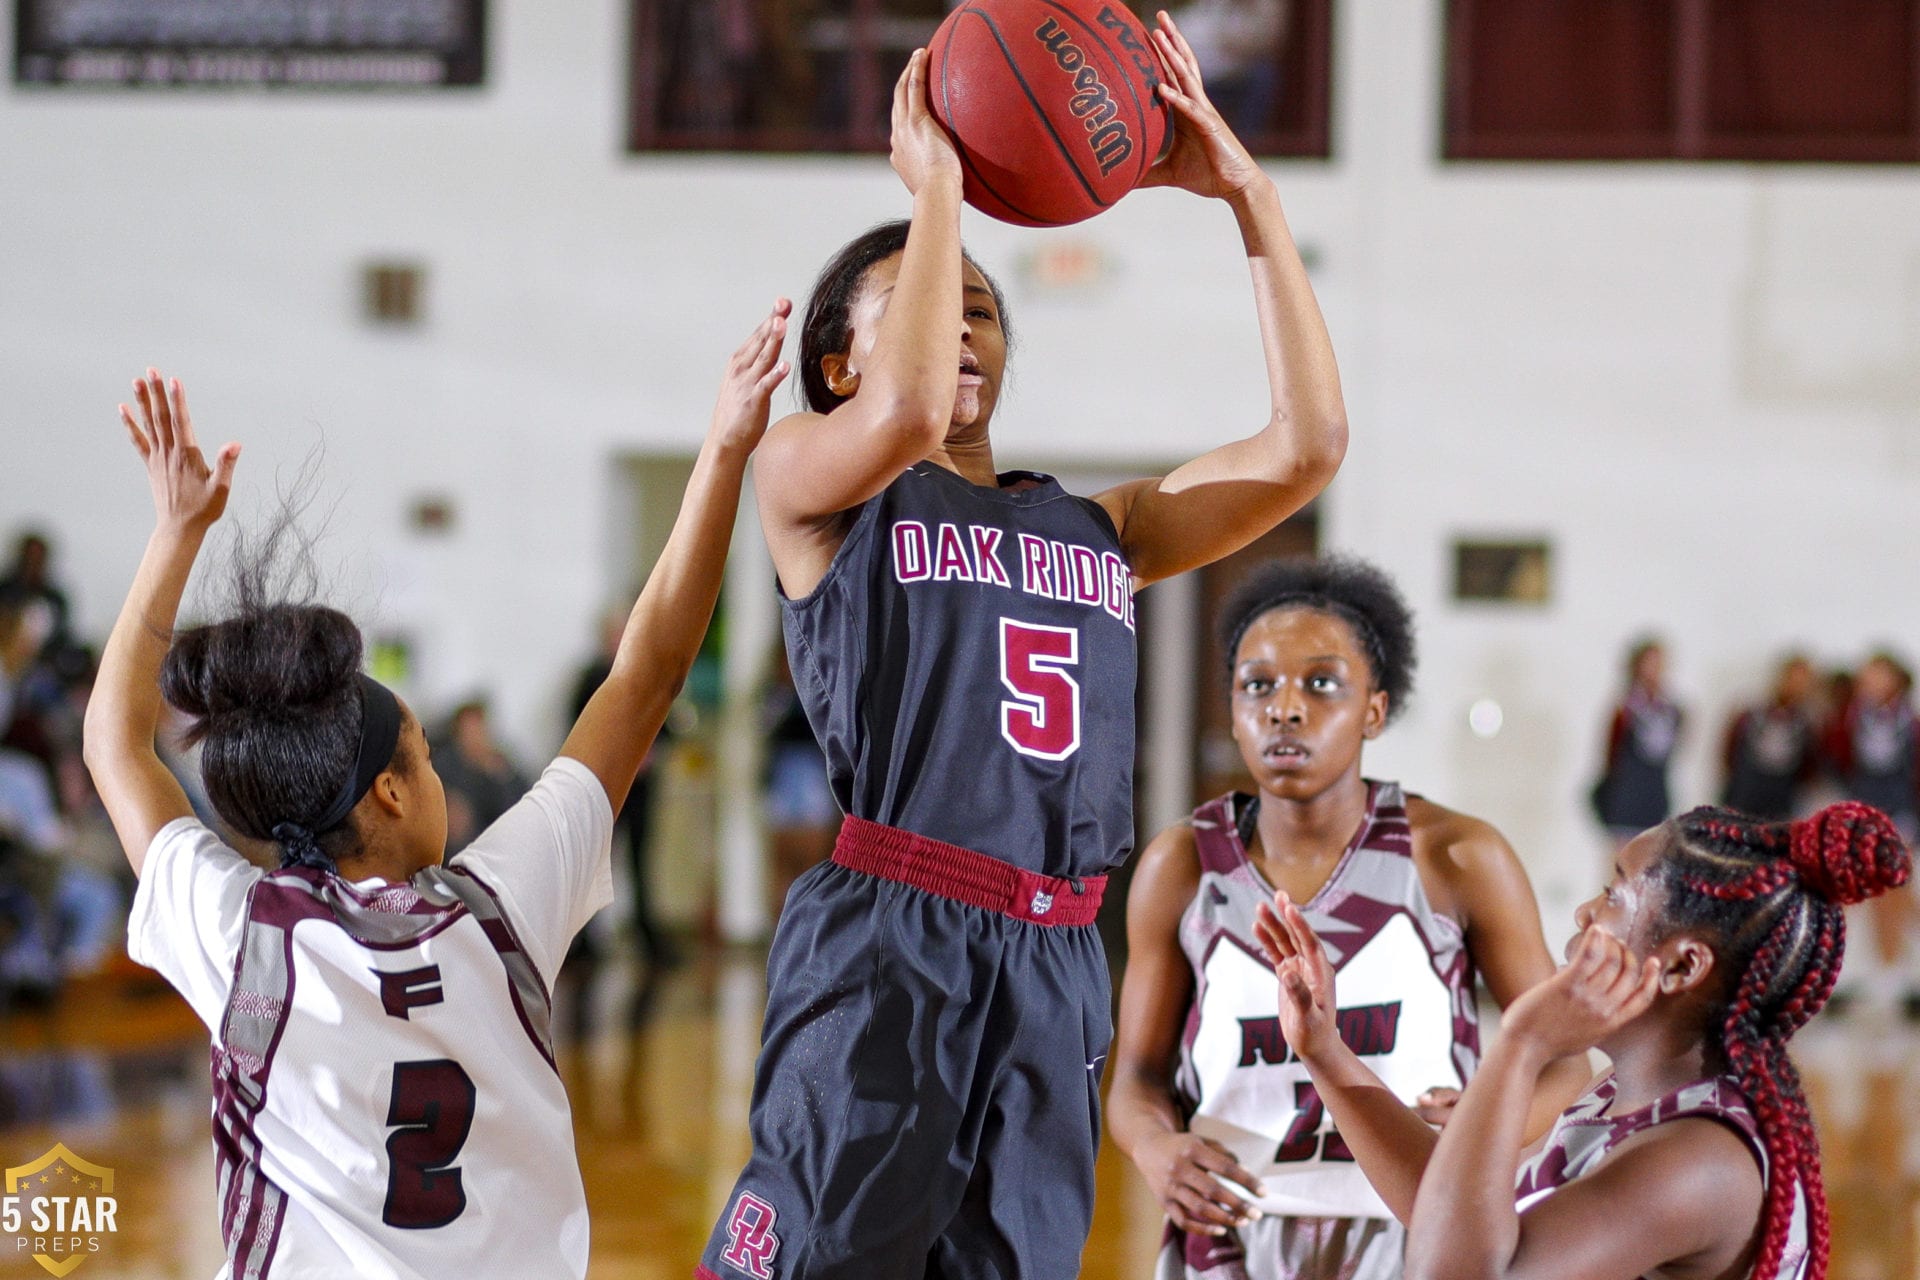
pixel 1051 104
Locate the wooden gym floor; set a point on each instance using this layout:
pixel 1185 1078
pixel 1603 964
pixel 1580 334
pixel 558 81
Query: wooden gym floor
pixel 659 1081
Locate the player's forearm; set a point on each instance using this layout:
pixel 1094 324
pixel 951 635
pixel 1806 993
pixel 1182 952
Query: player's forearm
pixel 123 710
pixel 1464 1224
pixel 669 621
pixel 1139 1107
pixel 665 630
pixel 915 365
pixel 1307 431
pixel 1389 1140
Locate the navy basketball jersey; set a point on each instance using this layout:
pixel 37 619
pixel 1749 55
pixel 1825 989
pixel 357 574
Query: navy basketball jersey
pixel 1771 749
pixel 968 665
pixel 1884 742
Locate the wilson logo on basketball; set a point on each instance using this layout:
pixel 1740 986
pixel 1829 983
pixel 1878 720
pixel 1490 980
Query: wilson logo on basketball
pixel 1122 30
pixel 1092 103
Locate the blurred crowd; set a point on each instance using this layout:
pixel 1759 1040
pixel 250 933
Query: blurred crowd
pixel 1813 736
pixel 65 887
pixel 63 884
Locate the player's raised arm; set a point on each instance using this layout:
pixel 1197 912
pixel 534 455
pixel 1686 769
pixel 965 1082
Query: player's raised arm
pixel 1465 1222
pixel 1224 499
pixel 882 404
pixel 1389 1140
pixel 123 713
pixel 669 621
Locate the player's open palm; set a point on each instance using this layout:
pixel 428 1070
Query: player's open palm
pixel 1188 1175
pixel 1306 976
pixel 746 392
pixel 1602 988
pixel 1205 158
pixel 187 493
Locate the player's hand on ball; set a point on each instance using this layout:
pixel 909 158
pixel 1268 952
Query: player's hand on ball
pixel 1188 1176
pixel 922 149
pixel 1306 977
pixel 1205 158
pixel 746 393
pixel 187 493
pixel 1602 988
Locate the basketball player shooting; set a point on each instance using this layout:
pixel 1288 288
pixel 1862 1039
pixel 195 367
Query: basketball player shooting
pixel 926 1098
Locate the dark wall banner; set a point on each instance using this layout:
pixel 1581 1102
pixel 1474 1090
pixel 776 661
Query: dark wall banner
pixel 296 44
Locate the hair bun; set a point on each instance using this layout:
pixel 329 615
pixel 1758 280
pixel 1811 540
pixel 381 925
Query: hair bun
pixel 281 662
pixel 1849 852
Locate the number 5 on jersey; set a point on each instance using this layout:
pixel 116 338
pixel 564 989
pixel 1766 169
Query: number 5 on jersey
pixel 1043 717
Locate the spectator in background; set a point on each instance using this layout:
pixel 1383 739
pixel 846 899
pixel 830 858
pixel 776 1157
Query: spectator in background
pixel 802 815
pixel 633 825
pixel 1873 746
pixel 42 663
pixel 28 821
pixel 1873 751
pixel 1771 748
pixel 481 781
pixel 1632 794
pixel 31 833
pixel 29 582
pixel 1836 692
pixel 60 916
pixel 22 633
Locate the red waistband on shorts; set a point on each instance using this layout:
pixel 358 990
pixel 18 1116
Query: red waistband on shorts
pixel 965 876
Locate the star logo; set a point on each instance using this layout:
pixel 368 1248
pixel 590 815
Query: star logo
pixel 59 1205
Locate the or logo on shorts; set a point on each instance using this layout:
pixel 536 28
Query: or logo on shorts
pixel 59 1209
pixel 751 1243
pixel 1042 903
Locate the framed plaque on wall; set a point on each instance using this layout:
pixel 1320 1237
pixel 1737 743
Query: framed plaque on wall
pixel 291 44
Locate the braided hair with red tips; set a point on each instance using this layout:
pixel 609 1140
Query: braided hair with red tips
pixel 1770 895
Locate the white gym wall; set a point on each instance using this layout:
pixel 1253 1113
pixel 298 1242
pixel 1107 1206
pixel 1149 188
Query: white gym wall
pixel 1700 382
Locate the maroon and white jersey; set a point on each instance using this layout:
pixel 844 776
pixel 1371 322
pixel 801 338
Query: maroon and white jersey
pixel 385 1097
pixel 1587 1132
pixel 1404 982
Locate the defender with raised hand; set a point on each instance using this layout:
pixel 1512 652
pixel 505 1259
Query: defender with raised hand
pixel 385 1098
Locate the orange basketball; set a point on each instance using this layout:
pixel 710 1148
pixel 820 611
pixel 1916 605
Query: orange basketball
pixel 1051 103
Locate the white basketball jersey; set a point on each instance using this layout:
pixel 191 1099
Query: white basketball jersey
pixel 385 1098
pixel 1407 1005
pixel 1588 1132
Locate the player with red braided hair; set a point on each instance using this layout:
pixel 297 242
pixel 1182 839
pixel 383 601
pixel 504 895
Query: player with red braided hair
pixel 1695 1156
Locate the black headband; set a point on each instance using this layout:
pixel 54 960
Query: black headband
pixel 379 738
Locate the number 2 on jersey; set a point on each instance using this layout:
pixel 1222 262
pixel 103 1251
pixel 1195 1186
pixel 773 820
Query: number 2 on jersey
pixel 433 1107
pixel 1304 1140
pixel 1043 717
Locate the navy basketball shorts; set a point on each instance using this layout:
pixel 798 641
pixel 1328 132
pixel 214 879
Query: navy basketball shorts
pixel 926 1102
